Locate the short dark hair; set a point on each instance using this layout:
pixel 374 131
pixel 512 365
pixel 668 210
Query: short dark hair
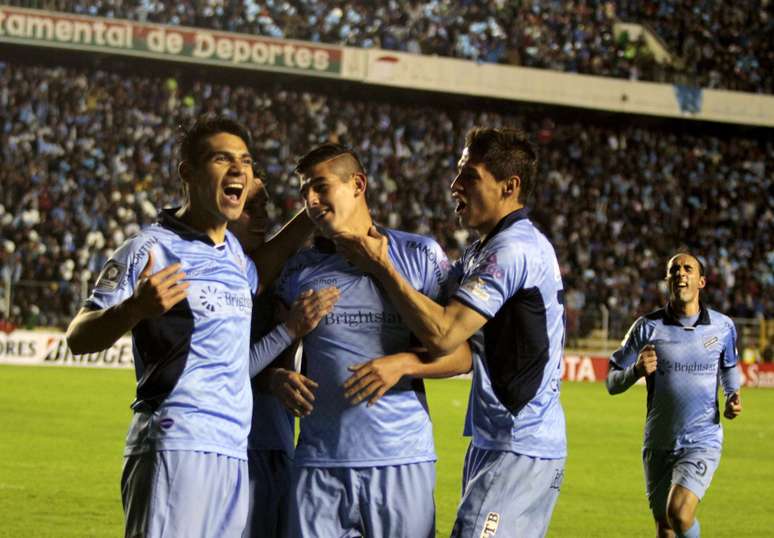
pixel 322 153
pixel 205 126
pixel 505 152
pixel 699 261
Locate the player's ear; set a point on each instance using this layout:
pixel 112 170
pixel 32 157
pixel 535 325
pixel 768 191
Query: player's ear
pixel 361 183
pixel 702 282
pixel 184 171
pixel 511 186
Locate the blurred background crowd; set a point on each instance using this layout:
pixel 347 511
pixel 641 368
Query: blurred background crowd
pixel 87 157
pixel 713 44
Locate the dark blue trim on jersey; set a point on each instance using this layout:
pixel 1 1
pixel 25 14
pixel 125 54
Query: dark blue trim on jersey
pixel 470 305
pixel 667 317
pixel 163 345
pixel 169 220
pixel 517 348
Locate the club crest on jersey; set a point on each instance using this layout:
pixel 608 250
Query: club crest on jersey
pixel 712 341
pixel 490 525
pixel 111 275
pixel 477 288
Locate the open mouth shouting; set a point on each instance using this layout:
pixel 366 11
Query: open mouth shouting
pixel 461 205
pixel 233 191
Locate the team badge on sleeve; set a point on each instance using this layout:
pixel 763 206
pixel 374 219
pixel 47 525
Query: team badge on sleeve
pixel 477 288
pixel 111 275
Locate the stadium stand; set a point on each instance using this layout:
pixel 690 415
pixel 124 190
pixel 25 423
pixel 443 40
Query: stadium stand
pixel 87 156
pixel 567 35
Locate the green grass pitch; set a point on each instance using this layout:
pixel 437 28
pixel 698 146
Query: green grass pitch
pixel 62 432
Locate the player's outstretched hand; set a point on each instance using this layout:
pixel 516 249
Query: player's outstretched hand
pixel 367 252
pixel 156 293
pixel 308 309
pixel 733 406
pixel 372 379
pixel 646 361
pixel 295 391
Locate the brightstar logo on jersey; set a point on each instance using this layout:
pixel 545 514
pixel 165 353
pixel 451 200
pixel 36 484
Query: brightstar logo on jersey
pixel 352 319
pixel 697 368
pixel 214 300
pixel 209 298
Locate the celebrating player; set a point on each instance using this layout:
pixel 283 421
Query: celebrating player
pixel 270 445
pixel 185 287
pixel 362 469
pixel 680 350
pixel 510 302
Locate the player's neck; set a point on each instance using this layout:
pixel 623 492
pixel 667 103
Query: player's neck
pixel 485 228
pixel 684 310
pixel 358 224
pixel 202 222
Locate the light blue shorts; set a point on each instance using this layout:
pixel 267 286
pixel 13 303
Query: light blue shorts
pixel 505 494
pixel 395 501
pixel 692 468
pixel 184 493
pixel 269 499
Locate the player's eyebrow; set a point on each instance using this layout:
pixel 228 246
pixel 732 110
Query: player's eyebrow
pixel 214 152
pixel 306 185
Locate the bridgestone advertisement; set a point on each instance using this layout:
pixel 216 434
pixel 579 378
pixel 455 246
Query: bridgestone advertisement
pixel 36 348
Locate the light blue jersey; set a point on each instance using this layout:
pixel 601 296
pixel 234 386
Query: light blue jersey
pixel 513 280
pixel 683 391
pixel 363 325
pixel 193 390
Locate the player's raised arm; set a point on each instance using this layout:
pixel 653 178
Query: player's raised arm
pixel 155 294
pixel 304 315
pixel 272 255
pixel 441 329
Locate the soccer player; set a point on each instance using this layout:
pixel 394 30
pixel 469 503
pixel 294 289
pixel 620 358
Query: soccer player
pixel 362 469
pixel 510 303
pixel 184 287
pixel 681 350
pixel 270 445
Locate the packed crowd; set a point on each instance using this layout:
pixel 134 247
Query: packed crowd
pixel 87 157
pixel 720 44
pixel 716 45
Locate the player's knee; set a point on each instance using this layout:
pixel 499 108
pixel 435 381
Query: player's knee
pixel 663 529
pixel 680 515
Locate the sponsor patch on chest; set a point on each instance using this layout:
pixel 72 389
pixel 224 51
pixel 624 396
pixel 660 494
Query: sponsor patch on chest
pixel 711 342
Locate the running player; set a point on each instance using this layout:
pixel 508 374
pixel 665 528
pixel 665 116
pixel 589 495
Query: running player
pixel 682 350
